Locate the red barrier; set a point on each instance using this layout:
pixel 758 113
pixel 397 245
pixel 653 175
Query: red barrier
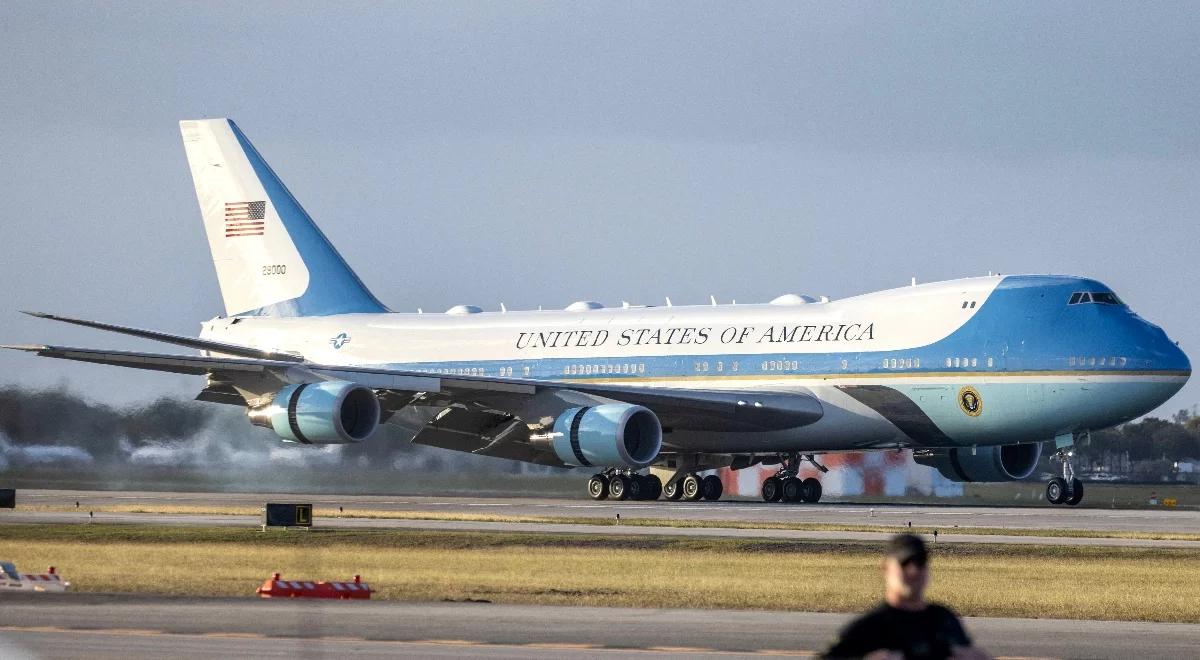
pixel 48 581
pixel 275 587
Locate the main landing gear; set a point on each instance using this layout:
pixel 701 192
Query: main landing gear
pixel 628 485
pixel 786 486
pixel 693 488
pixel 1065 489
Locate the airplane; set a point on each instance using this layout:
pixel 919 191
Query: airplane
pixel 972 375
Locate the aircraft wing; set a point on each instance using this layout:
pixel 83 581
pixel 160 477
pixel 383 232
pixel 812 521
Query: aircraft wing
pixel 702 410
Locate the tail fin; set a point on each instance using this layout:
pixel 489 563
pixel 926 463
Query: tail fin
pixel 271 258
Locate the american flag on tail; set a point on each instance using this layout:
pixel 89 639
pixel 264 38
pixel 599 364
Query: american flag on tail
pixel 245 218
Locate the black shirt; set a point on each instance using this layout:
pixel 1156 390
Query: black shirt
pixel 929 633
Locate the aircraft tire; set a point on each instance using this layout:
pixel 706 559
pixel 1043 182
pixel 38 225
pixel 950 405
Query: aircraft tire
pixel 637 487
pixel 654 487
pixel 810 490
pixel 1056 490
pixel 711 488
pixel 618 487
pixel 792 490
pixel 772 489
pixel 692 488
pixel 673 490
pixel 598 487
pixel 1076 493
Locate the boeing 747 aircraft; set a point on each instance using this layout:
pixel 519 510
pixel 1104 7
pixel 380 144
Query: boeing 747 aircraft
pixel 975 375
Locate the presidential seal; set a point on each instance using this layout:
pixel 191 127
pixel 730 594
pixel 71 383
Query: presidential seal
pixel 970 401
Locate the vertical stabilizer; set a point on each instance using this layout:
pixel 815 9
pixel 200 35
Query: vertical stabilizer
pixel 271 259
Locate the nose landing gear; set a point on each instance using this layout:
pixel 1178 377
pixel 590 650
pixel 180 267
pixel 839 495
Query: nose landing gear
pixel 1065 489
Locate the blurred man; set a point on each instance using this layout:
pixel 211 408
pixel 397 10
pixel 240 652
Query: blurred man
pixel 904 625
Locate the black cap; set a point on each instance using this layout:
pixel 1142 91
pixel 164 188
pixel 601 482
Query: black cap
pixel 907 547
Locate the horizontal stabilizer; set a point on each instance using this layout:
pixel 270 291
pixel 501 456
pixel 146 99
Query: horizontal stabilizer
pixel 178 340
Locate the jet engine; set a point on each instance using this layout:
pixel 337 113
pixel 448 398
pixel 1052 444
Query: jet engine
pixel 1003 463
pixel 617 435
pixel 329 412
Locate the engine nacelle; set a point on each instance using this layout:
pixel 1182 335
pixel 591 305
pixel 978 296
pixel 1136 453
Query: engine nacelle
pixel 325 413
pixel 610 435
pixel 1003 463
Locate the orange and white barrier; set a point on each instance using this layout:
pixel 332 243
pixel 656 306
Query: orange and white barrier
pixel 276 587
pixel 10 579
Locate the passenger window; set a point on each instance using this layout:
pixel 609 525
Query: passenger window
pixel 947 362
pixel 955 362
pixel 1071 361
pixel 974 362
pixel 972 304
pixel 990 363
pixel 845 364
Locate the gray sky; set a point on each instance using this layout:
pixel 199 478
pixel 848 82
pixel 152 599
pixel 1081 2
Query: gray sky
pixel 543 153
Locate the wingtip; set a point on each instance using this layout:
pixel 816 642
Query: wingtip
pixel 40 315
pixel 29 348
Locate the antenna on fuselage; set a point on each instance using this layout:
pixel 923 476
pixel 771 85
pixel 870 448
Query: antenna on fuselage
pixel 914 281
pixel 713 299
pixel 503 309
pixel 420 311
pixel 668 301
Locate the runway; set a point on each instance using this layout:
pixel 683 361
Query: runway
pixel 943 518
pixel 75 625
pixel 613 529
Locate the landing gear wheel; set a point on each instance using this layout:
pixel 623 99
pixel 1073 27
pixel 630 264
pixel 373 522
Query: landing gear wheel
pixel 772 489
pixel 654 487
pixel 618 487
pixel 711 488
pixel 1076 495
pixel 598 487
pixel 1056 490
pixel 636 487
pixel 792 489
pixel 692 490
pixel 673 490
pixel 810 490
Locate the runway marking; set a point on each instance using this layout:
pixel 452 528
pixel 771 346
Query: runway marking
pixel 234 635
pixel 342 638
pixel 681 649
pixel 447 642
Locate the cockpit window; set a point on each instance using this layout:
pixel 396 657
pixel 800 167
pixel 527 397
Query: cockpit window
pixel 1096 297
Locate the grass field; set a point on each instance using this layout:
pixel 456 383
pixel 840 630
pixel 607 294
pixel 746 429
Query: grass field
pixel 629 519
pixel 1034 581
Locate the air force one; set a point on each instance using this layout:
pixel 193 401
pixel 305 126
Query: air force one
pixel 974 375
